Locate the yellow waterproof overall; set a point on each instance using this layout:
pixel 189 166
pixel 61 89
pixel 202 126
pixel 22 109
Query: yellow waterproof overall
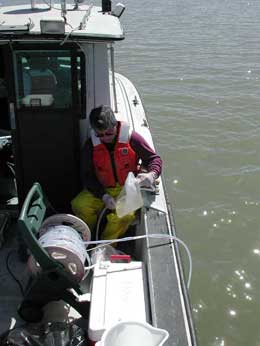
pixel 87 207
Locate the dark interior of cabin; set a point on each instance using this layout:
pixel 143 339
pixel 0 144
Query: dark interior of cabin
pixel 43 145
pixel 8 191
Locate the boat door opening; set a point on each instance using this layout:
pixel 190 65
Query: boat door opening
pixel 45 102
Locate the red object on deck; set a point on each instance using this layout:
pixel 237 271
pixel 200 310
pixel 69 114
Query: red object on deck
pixel 120 258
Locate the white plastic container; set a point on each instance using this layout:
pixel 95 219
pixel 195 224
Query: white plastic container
pixel 117 295
pixel 129 333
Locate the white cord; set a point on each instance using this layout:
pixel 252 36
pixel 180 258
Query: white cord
pixel 99 220
pixel 88 268
pixel 156 236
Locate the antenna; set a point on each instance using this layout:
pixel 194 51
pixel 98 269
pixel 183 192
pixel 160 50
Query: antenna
pixel 63 8
pixel 77 2
pixel 33 3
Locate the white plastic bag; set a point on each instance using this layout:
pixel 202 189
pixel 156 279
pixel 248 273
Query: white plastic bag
pixel 130 198
pixel 103 254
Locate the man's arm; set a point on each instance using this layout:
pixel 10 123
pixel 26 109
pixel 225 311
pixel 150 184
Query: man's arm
pixel 150 159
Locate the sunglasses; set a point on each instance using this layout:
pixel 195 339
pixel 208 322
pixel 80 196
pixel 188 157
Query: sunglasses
pixel 105 134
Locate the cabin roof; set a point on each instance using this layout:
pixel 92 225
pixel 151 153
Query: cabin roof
pixel 87 22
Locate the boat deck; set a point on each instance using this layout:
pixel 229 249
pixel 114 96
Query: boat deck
pixel 14 276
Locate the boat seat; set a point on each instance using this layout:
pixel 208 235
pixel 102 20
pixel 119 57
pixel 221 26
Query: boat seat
pixel 39 78
pixel 53 282
pixel 43 83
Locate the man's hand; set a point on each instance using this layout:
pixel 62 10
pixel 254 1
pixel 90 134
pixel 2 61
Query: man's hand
pixel 146 179
pixel 109 201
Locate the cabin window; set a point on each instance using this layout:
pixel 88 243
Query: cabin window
pixel 48 78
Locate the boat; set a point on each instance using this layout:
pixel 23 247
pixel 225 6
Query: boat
pixel 56 65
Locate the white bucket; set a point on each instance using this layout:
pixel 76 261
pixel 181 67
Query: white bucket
pixel 129 333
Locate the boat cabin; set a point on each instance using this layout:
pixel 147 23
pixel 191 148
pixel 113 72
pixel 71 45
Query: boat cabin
pixel 56 64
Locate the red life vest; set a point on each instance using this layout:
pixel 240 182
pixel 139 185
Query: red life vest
pixel 124 157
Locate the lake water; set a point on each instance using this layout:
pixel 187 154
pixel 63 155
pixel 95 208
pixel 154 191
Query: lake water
pixel 197 66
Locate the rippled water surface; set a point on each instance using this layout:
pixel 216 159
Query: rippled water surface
pixel 197 67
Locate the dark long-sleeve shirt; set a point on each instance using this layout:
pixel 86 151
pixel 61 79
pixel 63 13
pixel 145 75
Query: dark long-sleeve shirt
pixel 150 160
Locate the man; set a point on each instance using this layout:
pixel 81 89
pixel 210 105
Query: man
pixel 107 158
